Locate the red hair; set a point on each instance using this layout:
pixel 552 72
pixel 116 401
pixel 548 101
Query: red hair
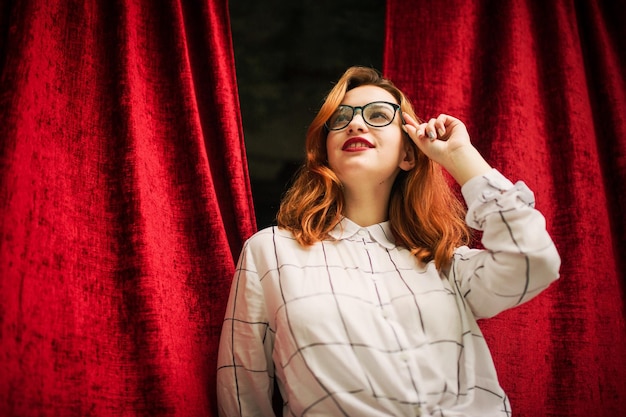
pixel 424 213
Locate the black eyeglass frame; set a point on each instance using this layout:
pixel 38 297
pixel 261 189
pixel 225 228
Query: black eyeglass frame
pixel 395 106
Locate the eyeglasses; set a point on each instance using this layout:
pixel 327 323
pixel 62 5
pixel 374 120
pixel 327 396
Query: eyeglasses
pixel 375 114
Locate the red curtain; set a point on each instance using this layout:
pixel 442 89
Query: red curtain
pixel 542 88
pixel 124 199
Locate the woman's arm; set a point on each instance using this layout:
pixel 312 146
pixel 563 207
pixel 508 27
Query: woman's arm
pixel 245 373
pixel 519 260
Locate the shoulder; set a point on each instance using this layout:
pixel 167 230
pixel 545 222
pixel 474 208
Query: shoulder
pixel 268 248
pixel 268 239
pixel 465 252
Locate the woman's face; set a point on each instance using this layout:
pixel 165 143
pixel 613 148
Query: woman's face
pixel 362 154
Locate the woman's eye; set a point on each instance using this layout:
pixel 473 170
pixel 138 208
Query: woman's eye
pixel 340 117
pixel 380 116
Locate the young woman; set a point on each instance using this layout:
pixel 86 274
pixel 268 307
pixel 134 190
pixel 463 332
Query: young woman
pixel 363 300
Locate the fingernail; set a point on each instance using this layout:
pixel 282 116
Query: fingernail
pixel 441 131
pixel 431 134
pixel 420 133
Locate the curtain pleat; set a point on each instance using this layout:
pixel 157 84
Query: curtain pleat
pixel 124 201
pixel 541 86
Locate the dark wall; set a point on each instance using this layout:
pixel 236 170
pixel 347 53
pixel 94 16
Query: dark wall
pixel 288 54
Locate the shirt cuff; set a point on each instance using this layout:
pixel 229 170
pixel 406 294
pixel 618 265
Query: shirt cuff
pixel 484 187
pixel 491 193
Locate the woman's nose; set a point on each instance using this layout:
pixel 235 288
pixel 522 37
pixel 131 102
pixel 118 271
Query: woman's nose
pixel 357 122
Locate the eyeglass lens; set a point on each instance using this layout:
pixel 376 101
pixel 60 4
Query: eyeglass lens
pixel 376 114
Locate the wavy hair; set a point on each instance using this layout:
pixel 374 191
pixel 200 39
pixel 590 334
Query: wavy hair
pixel 424 213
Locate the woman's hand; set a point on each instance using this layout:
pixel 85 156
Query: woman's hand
pixel 445 140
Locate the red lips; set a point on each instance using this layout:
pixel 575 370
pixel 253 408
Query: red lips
pixel 356 144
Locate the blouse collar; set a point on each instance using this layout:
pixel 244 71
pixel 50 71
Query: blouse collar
pixel 380 233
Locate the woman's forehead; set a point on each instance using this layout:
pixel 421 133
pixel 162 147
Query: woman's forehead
pixel 366 94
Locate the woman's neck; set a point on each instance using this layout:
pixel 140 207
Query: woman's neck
pixel 366 207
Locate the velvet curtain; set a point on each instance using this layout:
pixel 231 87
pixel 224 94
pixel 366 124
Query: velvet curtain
pixel 124 200
pixel 124 194
pixel 542 89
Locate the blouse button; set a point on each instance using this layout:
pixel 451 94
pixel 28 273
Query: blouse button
pixel 362 232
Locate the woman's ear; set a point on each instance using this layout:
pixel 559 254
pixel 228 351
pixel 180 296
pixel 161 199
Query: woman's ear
pixel 408 162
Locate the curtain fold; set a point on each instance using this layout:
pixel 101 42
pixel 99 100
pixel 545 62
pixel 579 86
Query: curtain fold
pixel 541 87
pixel 124 201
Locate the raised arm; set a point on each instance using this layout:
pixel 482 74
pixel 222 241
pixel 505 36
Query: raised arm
pixel 520 259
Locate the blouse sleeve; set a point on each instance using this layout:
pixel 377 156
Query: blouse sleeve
pixel 245 371
pixel 519 260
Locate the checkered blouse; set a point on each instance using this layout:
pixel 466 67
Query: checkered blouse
pixel 355 326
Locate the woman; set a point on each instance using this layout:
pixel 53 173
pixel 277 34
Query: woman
pixel 364 300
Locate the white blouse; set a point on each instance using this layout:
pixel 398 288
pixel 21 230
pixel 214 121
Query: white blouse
pixel 355 326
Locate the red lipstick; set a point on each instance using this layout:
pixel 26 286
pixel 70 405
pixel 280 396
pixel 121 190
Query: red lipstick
pixel 356 144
